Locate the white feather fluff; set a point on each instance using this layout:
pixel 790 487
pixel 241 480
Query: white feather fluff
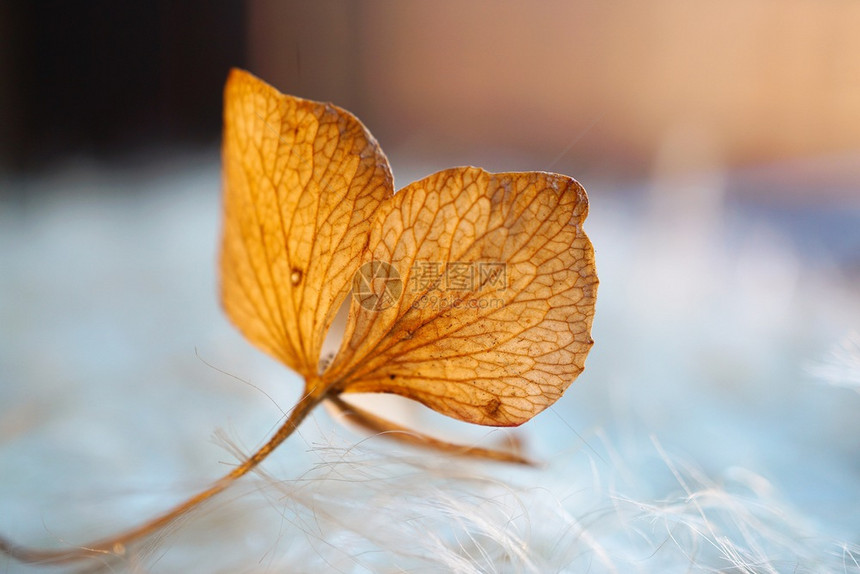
pixel 698 440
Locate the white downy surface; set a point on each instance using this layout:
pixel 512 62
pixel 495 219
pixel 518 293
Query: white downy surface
pixel 716 427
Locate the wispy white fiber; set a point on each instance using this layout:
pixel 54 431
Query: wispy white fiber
pixel 692 443
pixel 841 367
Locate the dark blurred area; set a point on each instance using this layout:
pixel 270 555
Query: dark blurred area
pixel 106 79
pixel 622 89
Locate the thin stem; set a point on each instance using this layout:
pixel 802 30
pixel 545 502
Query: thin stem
pixel 393 431
pixel 115 546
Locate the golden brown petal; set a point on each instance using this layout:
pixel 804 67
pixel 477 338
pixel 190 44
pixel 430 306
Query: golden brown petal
pixel 302 181
pixel 497 293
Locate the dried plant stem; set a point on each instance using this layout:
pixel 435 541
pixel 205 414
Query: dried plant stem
pixel 383 427
pixel 115 546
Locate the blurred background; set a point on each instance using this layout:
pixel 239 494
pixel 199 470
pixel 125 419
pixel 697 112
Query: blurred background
pixel 766 93
pixel 720 147
pixel 614 88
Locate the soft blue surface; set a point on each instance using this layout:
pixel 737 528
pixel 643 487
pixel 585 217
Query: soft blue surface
pixel 698 438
